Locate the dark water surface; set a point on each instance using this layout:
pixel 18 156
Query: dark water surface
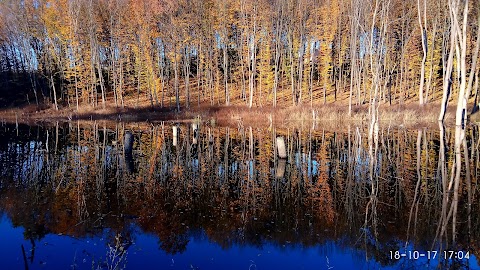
pixel 115 196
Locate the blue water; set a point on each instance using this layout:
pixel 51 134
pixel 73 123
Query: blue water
pixel 65 252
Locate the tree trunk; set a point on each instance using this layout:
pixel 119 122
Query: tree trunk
pixel 54 92
pixel 225 73
pixel 423 30
pixel 177 94
pixel 447 75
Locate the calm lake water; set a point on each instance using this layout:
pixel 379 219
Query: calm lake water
pixel 135 196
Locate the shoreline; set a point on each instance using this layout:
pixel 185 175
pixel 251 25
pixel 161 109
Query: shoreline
pixel 410 116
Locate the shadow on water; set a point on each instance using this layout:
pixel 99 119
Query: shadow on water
pixel 144 113
pixel 396 190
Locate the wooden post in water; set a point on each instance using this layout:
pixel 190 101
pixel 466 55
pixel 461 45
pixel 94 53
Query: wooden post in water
pixel 175 135
pixel 282 152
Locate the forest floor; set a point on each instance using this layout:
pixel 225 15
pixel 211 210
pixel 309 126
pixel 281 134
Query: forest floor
pixel 331 115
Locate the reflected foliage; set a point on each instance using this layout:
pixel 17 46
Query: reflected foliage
pixel 374 194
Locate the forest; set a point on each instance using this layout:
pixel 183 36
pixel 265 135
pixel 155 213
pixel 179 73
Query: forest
pixel 277 53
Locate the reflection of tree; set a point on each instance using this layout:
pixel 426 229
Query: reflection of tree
pixel 224 186
pixel 319 192
pixel 454 183
pixel 416 200
pixel 174 243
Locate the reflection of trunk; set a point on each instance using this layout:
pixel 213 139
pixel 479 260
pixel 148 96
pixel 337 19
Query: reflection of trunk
pixel 310 80
pixel 250 143
pixel 442 167
pixel 450 205
pixel 280 171
pixel 56 137
pixel 459 137
pixel 349 202
pixel 102 176
pixel 225 158
pixel 371 208
pixel 415 201
pixel 195 133
pixel 469 185
pixel 24 258
pixel 128 151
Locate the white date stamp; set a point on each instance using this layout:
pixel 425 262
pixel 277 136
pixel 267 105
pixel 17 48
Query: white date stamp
pixel 430 254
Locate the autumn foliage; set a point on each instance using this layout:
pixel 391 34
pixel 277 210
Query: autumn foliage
pixel 72 53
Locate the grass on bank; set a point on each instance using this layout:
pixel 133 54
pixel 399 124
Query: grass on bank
pixel 410 115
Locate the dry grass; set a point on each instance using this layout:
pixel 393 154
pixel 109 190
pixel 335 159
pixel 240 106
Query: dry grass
pixel 336 115
pixel 326 115
pixel 330 115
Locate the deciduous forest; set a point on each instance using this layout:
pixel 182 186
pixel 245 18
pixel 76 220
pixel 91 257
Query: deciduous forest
pixel 179 54
pixel 262 125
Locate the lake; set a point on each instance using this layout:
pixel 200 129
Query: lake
pixel 93 195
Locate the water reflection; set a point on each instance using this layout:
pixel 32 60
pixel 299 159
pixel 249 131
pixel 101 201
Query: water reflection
pixel 128 150
pixel 392 190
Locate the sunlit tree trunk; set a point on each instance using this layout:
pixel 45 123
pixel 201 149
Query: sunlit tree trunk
pixel 253 57
pixel 176 83
pixel 423 32
pixel 186 70
pixel 447 72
